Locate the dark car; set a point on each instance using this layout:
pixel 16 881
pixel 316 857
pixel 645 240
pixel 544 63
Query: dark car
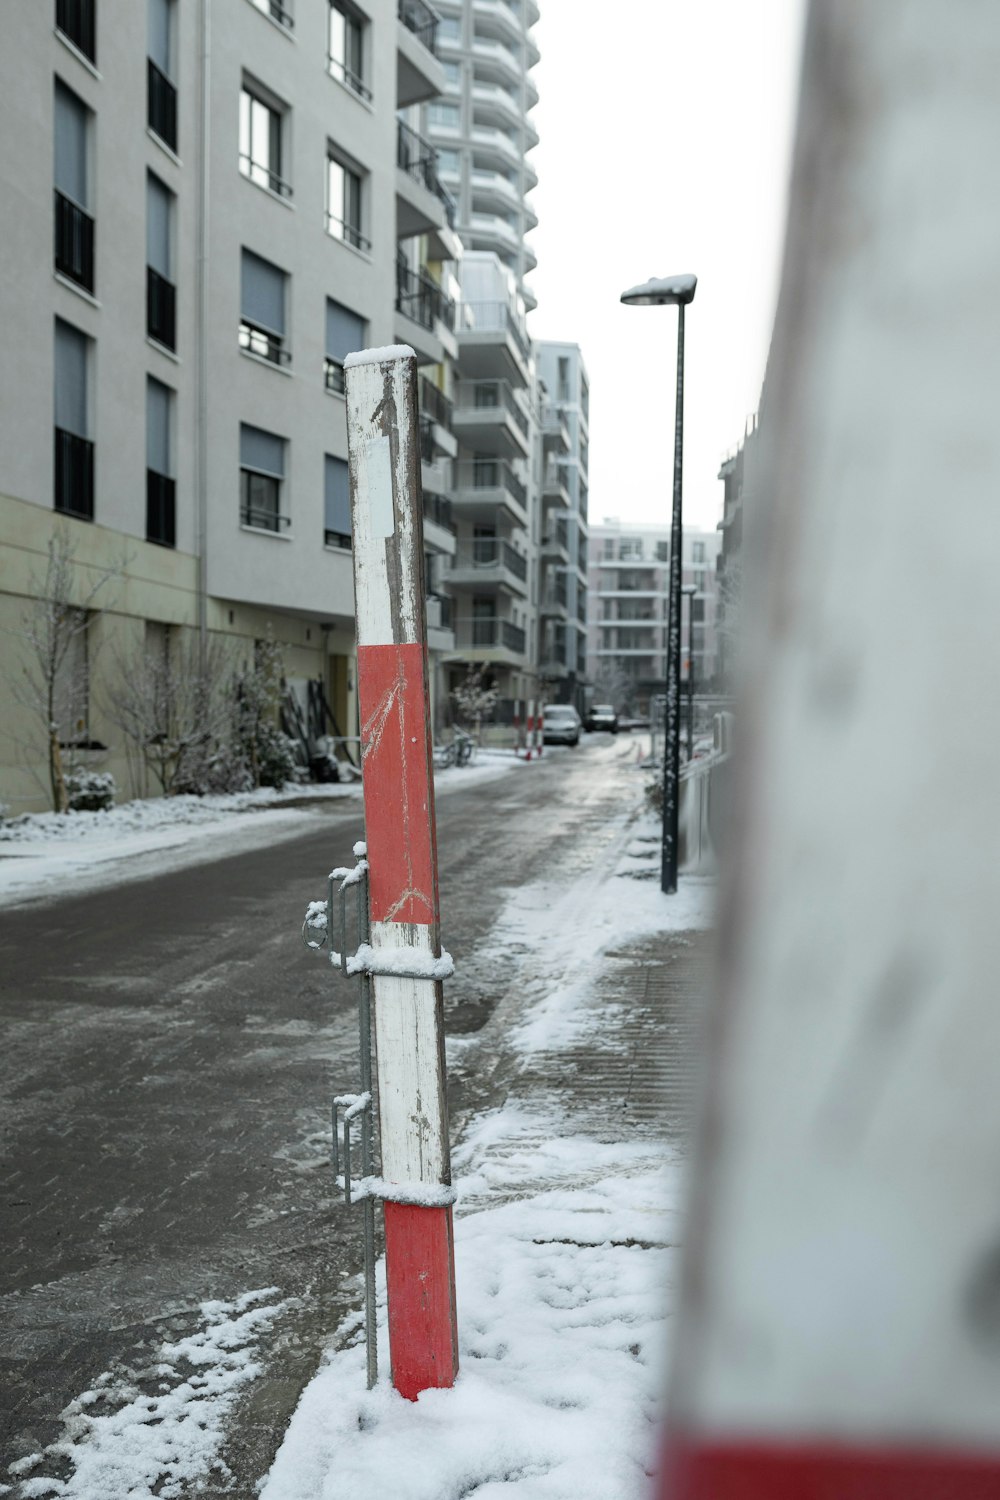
pixel 602 716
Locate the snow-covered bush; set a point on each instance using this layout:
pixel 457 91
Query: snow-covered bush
pixel 90 791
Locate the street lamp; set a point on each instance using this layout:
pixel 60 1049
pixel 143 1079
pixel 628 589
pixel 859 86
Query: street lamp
pixel 690 589
pixel 665 292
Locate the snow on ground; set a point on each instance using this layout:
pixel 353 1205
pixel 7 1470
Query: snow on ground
pixel 565 1253
pixel 42 852
pixel 156 1432
pixel 562 1289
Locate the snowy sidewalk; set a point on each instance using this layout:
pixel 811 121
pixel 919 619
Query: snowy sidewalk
pixel 566 1225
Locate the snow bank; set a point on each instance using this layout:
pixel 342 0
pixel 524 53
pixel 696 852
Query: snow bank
pixel 561 1298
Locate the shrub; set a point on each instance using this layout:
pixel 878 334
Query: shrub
pixel 90 791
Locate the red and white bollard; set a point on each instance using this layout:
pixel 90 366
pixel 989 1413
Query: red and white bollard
pixel 386 507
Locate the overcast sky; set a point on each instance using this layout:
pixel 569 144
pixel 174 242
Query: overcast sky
pixel 665 144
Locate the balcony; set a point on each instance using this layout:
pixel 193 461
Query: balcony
pixel 497 16
pixel 493 232
pixel 555 491
pixel 264 343
pixel 555 432
pixel 555 602
pixel 440 626
pixel 492 188
pixel 493 105
pixel 425 314
pixel 489 419
pixel 75 19
pixel 486 486
pixel 421 202
pixel 419 75
pixel 488 636
pixel 555 545
pixel 161 105
pixel 439 525
pixel 493 57
pixel 74 475
pixel 491 144
pixel 435 418
pixel 161 509
pixel 490 563
pixel 161 309
pixel 493 343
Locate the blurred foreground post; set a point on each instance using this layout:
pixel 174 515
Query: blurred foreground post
pixel 839 1330
pixel 400 833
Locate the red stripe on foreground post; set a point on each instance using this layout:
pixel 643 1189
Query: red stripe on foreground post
pixel 418 1243
pixel 824 1471
pixel 387 518
pixel 399 790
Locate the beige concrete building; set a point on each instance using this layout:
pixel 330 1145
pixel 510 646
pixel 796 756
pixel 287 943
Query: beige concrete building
pixel 204 207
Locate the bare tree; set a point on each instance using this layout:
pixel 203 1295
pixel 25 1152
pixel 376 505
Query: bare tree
pixel 53 683
pixel 473 700
pixel 172 699
pixel 613 685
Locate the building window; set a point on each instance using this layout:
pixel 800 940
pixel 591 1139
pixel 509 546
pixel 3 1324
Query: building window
pixel 449 29
pixel 76 20
pixel 74 451
pixel 345 334
pixel 336 503
pixel 563 386
pixel 74 227
pixel 161 93
pixel 161 505
pixel 346 47
pixel 663 552
pixel 262 478
pixel 262 309
pixel 161 294
pixel 277 11
pixel 698 552
pixel 261 131
pixel 345 203
pixel 447 115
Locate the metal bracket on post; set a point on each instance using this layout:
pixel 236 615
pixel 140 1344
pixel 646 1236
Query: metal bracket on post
pixel 316 934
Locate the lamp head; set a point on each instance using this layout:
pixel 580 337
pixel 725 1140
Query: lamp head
pixel 661 291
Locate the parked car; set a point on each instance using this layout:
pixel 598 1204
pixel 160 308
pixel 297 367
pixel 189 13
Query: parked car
pixel 560 725
pixel 602 716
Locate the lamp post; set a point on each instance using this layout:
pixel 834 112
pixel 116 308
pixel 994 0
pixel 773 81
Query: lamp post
pixel 690 589
pixel 665 292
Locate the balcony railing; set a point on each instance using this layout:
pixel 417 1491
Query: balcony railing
pixel 494 316
pixel 162 105
pixel 74 476
pixel 438 510
pixel 161 509
pixel 555 595
pixel 422 299
pixel 342 229
pixel 264 176
pixel 434 403
pixel 75 19
pixel 264 343
pixel 440 612
pixel 490 631
pixel 416 157
pixel 425 438
pixel 490 474
pixel 74 242
pixel 333 376
pixel 490 395
pixel 161 309
pixel 418 17
pixel 492 552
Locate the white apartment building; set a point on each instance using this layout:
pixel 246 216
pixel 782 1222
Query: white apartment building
pixel 482 128
pixel 627 610
pixel 565 418
pixel 204 208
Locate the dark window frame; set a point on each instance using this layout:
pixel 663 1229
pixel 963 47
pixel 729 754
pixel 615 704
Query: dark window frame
pixel 76 20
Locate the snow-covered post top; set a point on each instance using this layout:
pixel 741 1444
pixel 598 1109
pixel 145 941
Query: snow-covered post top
pixel 396 759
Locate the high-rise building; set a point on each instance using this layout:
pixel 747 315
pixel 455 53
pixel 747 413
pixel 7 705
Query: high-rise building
pixel 482 127
pixel 565 427
pixel 627 614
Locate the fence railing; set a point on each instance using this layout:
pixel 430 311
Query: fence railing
pixel 434 402
pixel 489 631
pixel 438 510
pixel 422 299
pixel 419 18
pixel 491 553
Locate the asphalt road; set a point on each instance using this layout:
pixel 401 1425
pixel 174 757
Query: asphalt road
pixel 169 1051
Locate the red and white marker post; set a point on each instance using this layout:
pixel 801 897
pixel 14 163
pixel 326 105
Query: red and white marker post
pixel 397 765
pixel 839 1330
